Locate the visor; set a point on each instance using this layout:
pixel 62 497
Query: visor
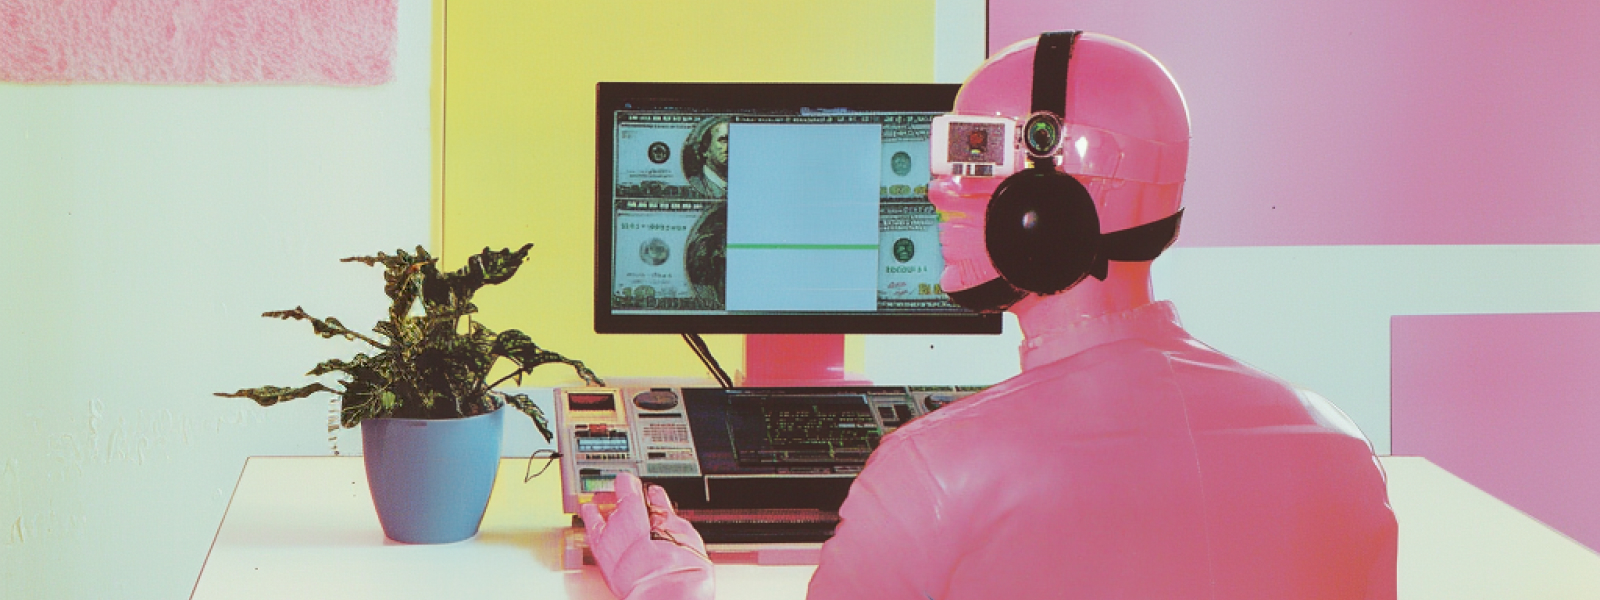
pixel 1084 150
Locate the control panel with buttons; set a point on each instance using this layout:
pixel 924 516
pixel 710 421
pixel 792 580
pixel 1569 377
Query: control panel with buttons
pixel 713 446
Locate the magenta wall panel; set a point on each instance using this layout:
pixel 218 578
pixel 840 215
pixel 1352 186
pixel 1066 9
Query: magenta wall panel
pixel 341 42
pixel 1370 121
pixel 1510 403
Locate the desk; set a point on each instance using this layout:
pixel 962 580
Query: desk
pixel 305 528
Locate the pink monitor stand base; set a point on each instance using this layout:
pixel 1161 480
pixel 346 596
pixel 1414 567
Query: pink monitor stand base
pixel 794 360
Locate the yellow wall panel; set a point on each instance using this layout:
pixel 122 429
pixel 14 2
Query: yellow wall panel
pixel 517 158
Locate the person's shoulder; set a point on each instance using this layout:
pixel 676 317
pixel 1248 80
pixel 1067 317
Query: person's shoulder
pixel 1191 358
pixel 957 417
pixel 1237 395
pixel 1328 415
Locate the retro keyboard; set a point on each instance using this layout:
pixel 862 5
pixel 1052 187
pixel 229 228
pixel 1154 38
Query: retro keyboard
pixel 761 526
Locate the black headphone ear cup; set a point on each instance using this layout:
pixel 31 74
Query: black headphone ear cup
pixel 1042 231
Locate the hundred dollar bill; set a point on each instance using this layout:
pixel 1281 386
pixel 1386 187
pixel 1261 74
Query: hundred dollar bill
pixel 648 270
pixel 905 156
pixel 909 260
pixel 663 154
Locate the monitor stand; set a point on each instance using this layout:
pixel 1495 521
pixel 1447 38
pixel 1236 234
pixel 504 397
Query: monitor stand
pixel 796 360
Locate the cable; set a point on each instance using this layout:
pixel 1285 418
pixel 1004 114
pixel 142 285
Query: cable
pixel 551 459
pixel 703 351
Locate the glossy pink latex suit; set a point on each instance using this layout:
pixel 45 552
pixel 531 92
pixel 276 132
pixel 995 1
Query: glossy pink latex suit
pixel 1127 460
pixel 671 563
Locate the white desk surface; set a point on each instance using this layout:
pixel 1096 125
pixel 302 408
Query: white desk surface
pixel 305 528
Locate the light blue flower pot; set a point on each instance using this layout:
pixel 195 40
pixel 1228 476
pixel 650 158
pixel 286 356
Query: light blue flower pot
pixel 430 478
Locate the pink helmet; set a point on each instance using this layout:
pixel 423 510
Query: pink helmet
pixel 1091 106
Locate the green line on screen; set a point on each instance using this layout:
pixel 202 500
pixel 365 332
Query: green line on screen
pixel 803 246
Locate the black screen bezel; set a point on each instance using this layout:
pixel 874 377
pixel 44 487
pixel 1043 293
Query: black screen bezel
pixel 611 97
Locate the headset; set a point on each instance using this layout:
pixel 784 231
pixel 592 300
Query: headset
pixel 1041 229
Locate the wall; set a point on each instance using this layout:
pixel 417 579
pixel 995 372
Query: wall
pixel 145 229
pixel 1507 403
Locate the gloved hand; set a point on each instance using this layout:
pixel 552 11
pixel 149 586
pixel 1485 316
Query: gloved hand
pixel 644 549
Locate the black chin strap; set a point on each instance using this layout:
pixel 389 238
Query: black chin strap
pixel 993 295
pixel 1136 244
pixel 1142 243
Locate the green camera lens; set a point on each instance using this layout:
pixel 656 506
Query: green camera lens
pixel 1042 134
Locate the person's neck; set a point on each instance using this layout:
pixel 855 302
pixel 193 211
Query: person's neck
pixel 1125 288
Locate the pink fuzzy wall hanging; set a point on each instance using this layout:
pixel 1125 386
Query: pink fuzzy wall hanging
pixel 337 42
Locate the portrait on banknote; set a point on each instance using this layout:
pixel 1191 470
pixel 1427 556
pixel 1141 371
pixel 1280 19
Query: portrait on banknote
pixel 705 157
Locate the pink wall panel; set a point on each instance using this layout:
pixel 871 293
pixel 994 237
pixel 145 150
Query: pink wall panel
pixel 347 42
pixel 1370 121
pixel 1510 403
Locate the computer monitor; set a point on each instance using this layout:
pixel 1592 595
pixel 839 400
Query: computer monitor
pixel 769 208
pixel 764 208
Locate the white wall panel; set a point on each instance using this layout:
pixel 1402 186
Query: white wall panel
pixel 1317 316
pixel 958 38
pixel 144 229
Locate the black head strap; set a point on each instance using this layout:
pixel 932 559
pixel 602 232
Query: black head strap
pixel 1050 59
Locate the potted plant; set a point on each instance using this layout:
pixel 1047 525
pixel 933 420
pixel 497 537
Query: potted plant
pixel 430 417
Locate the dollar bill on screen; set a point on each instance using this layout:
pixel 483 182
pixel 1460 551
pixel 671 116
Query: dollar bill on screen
pixel 650 147
pixel 909 260
pixel 648 262
pixel 904 167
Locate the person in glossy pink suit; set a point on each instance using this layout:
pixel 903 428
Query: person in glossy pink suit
pixel 1127 460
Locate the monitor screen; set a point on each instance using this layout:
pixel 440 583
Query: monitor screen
pixel 769 208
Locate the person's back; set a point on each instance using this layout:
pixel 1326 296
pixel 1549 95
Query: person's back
pixel 1147 466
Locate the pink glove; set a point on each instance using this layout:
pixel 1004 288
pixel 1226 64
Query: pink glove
pixel 644 549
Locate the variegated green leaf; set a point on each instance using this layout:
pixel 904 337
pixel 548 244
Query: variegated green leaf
pixel 518 347
pixel 326 328
pixel 269 395
pixel 526 405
